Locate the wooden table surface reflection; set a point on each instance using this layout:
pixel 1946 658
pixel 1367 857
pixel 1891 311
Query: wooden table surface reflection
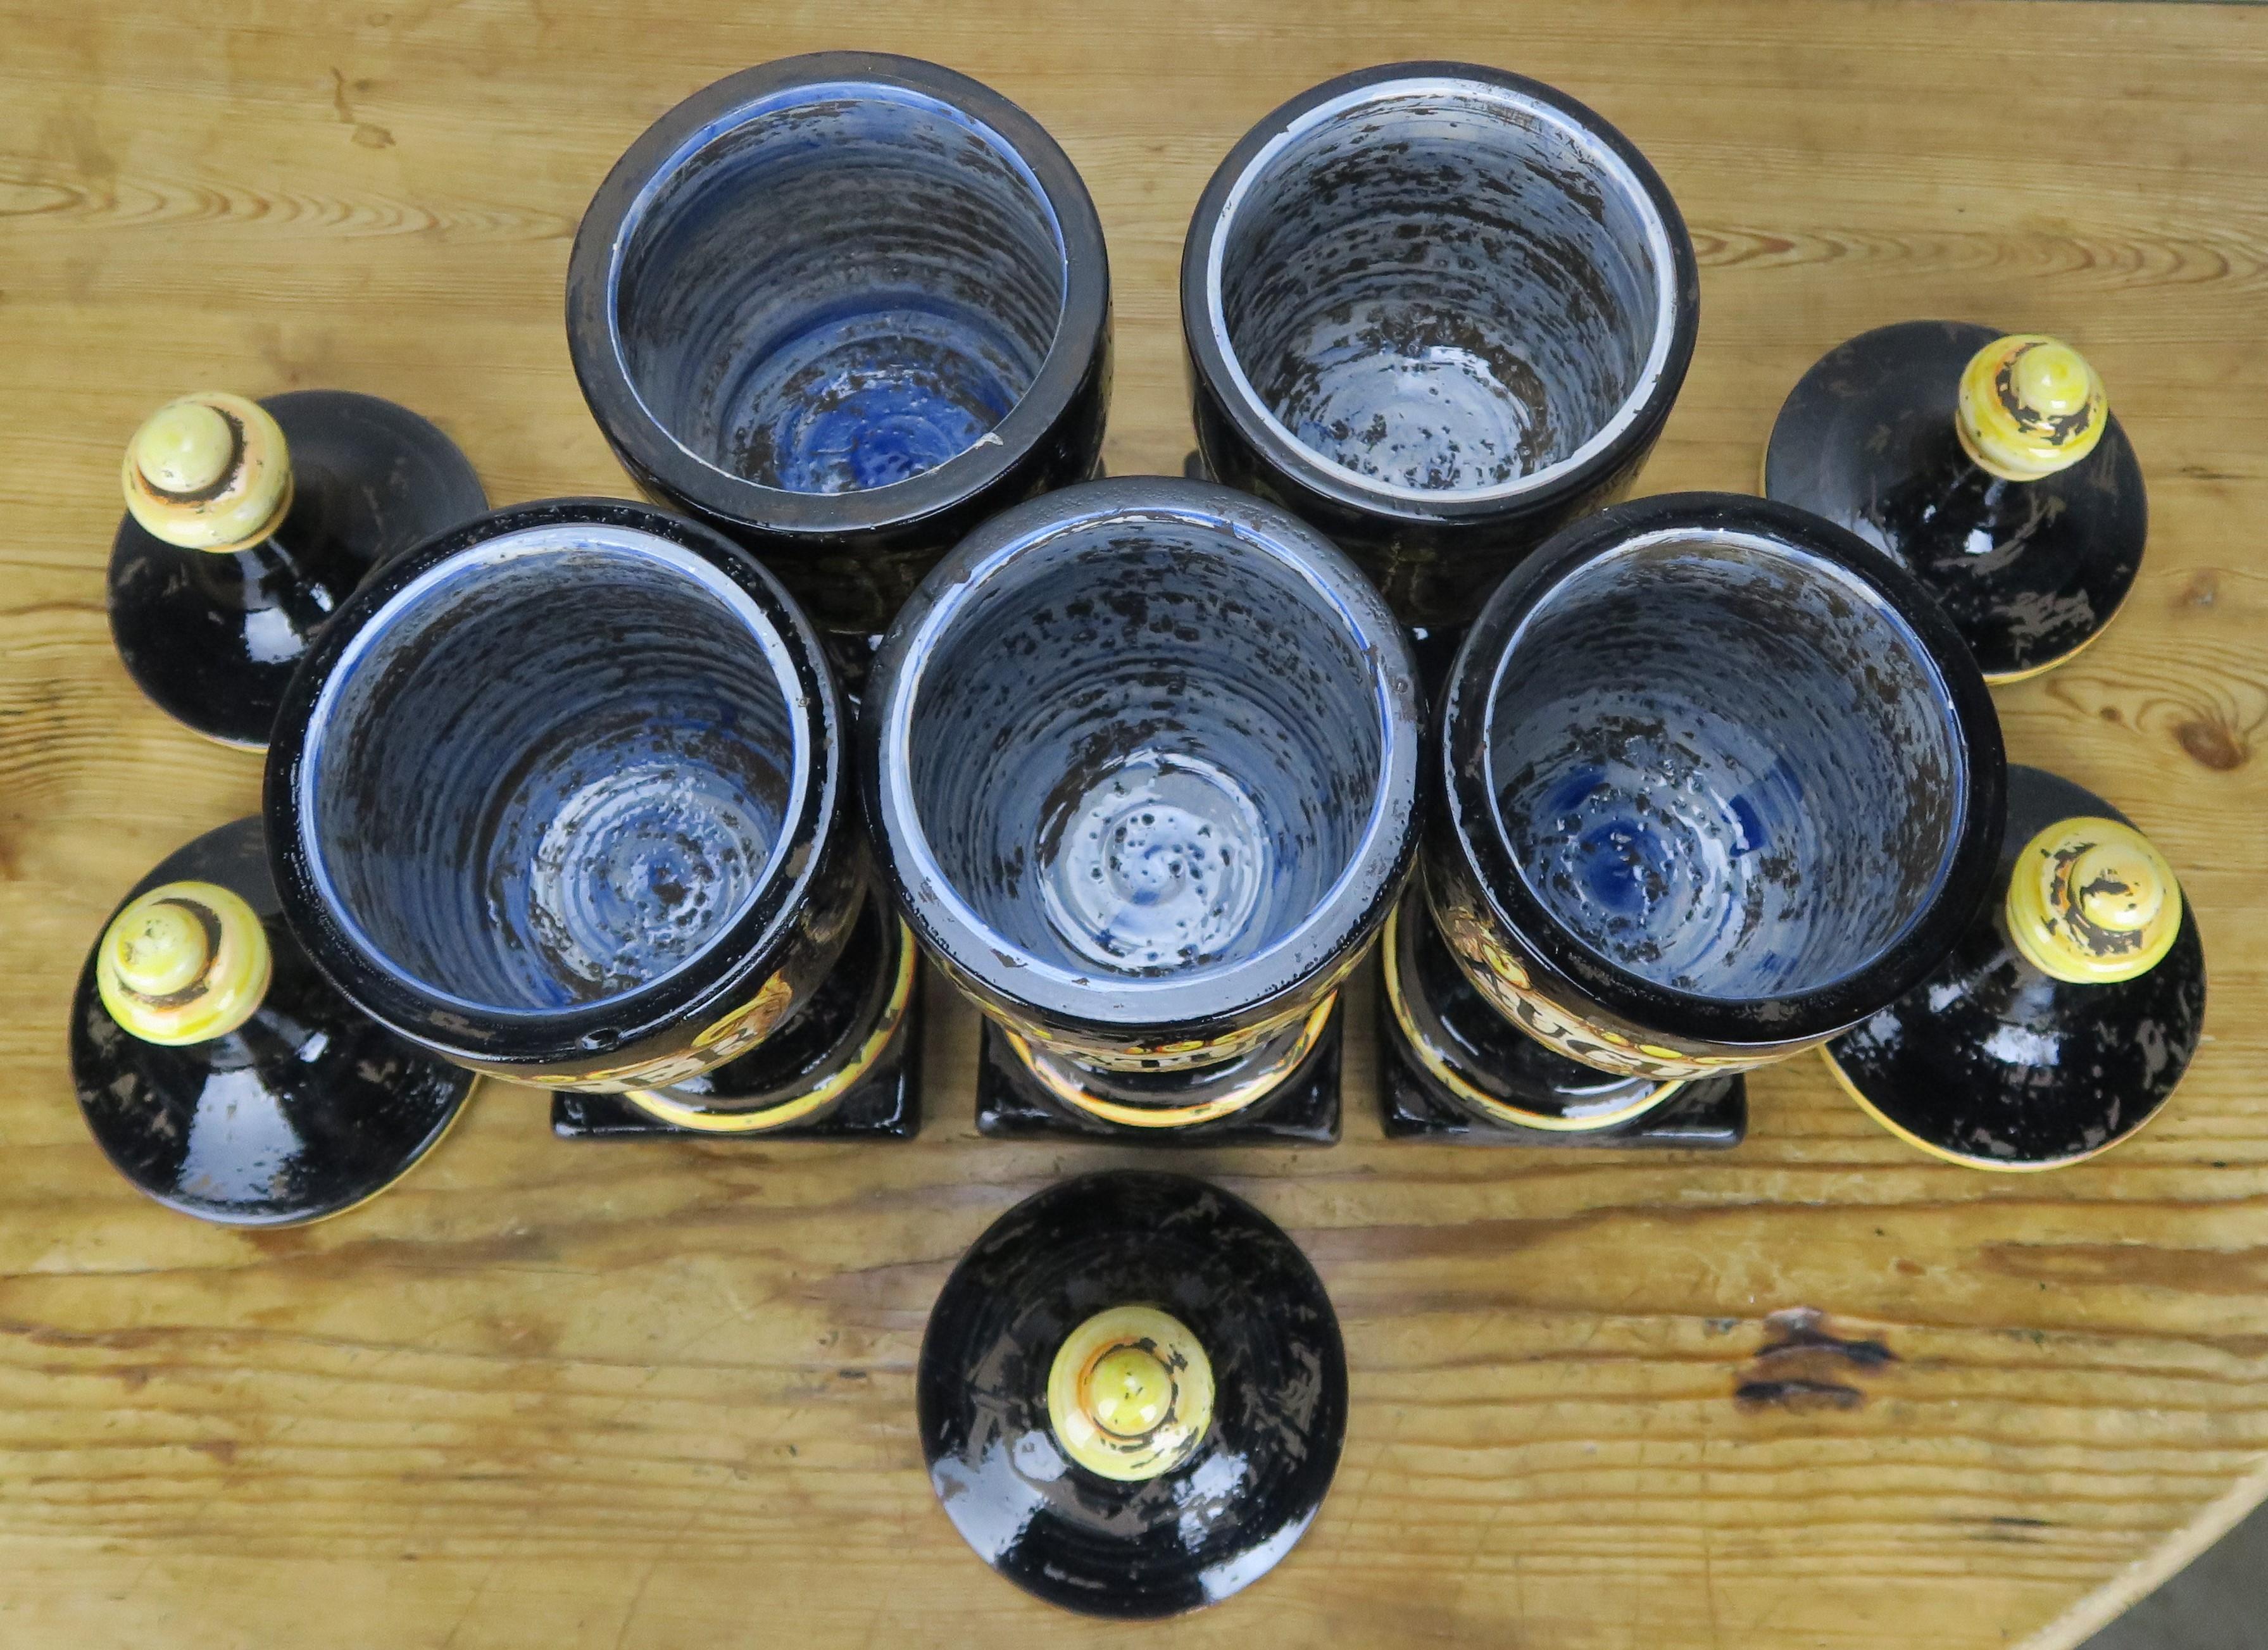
pixel 659 1395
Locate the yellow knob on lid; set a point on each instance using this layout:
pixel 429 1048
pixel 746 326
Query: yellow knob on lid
pixel 185 447
pixel 209 472
pixel 1130 1394
pixel 2030 405
pixel 163 952
pixel 2118 892
pixel 184 963
pixel 1129 1391
pixel 2091 902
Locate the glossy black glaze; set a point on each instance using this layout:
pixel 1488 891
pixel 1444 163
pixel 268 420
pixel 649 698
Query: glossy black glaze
pixel 844 307
pixel 1141 762
pixel 1994 1063
pixel 561 796
pixel 1302 1109
pixel 304 1110
pixel 1709 1114
pixel 1451 1025
pixel 1435 649
pixel 1439 311
pixel 1209 1527
pixel 886 1106
pixel 825 1036
pixel 2029 573
pixel 1669 688
pixel 212 638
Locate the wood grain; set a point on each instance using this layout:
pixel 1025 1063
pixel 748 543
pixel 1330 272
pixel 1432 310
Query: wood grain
pixel 659 1395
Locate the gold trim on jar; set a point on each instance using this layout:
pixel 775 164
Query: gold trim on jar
pixel 1060 1081
pixel 722 1120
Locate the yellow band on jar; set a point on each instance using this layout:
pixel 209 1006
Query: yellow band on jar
pixel 1130 1394
pixel 1503 1111
pixel 185 963
pixel 1065 1086
pixel 724 1120
pixel 2091 902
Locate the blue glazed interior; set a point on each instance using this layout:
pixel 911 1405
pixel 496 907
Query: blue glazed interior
pixel 553 769
pixel 1441 287
pixel 837 288
pixel 1145 748
pixel 1725 765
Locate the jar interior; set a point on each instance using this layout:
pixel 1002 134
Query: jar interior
pixel 553 770
pixel 1443 287
pixel 1144 748
pixel 842 288
pixel 1726 766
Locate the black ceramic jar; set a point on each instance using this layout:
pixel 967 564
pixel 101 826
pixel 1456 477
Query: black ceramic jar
pixel 1141 759
pixel 1718 781
pixel 844 307
pixel 562 795
pixel 1439 311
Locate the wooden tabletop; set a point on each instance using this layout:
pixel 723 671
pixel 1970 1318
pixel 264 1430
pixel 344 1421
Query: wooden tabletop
pixel 659 1395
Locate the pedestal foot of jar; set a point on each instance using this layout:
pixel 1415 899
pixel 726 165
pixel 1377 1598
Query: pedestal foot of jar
pixel 848 1066
pixel 1286 1093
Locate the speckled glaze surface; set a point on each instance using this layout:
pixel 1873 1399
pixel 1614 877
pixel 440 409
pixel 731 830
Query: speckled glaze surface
pixel 1991 1063
pixel 1141 758
pixel 1439 311
pixel 2029 573
pixel 1472 1062
pixel 1719 782
pixel 562 796
pixel 844 307
pixel 1213 1525
pixel 304 1110
pixel 212 638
